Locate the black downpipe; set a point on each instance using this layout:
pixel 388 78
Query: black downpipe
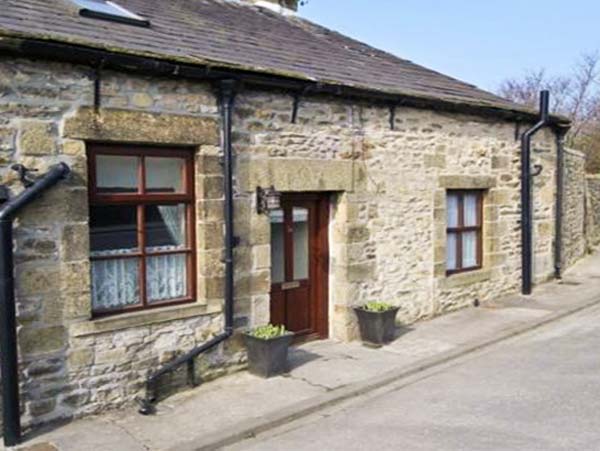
pixel 560 186
pixel 11 413
pixel 526 194
pixel 227 92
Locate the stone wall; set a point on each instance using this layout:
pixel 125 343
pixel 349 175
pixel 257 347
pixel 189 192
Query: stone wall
pixel 387 229
pixel 593 210
pixel 574 227
pixel 70 364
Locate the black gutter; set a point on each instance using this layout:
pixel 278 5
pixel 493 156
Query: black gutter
pixel 227 92
pixel 78 54
pixel 11 413
pixel 526 195
pixel 560 187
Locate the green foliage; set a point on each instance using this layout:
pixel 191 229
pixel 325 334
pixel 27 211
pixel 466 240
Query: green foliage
pixel 267 332
pixel 375 306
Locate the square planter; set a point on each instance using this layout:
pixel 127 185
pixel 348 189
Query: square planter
pixel 267 358
pixel 377 328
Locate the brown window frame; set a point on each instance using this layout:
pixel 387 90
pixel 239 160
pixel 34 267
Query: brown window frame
pixel 460 229
pixel 141 199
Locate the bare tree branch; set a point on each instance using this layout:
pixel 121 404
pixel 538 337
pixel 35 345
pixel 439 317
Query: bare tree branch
pixel 576 96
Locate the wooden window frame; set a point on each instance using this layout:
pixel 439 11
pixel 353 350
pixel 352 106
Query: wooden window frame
pixel 140 200
pixel 460 229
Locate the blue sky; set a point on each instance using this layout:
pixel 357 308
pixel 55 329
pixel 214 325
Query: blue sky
pixel 479 41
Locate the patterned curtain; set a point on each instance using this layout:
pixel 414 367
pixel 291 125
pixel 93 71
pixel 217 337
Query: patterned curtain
pixel 115 282
pixel 166 277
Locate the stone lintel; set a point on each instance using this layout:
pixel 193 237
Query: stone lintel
pixel 287 174
pixel 118 125
pixel 467 181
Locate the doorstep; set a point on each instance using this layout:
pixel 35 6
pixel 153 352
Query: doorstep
pixel 323 373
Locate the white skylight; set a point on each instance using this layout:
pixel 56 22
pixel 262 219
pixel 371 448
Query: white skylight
pixel 107 10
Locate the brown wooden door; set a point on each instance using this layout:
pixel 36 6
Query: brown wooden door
pixel 299 264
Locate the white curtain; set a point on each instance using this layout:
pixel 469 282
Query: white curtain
pixel 452 210
pixel 469 249
pixel 115 282
pixel 173 217
pixel 471 210
pixel 166 277
pixel 451 252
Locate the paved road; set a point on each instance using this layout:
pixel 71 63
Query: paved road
pixel 537 392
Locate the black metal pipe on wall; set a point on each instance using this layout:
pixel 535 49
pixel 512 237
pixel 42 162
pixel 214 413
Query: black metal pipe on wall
pixel 11 414
pixel 526 195
pixel 227 93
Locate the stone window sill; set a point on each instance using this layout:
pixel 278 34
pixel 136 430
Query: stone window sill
pixel 465 278
pixel 141 318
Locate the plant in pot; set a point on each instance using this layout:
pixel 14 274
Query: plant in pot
pixel 267 348
pixel 377 322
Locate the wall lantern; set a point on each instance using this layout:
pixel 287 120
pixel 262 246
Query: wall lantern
pixel 267 200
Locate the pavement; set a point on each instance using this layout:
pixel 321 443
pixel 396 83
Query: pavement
pixel 327 375
pixel 538 391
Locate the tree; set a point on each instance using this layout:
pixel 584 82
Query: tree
pixel 576 96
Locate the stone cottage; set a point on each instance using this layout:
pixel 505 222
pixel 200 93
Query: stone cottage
pixel 181 122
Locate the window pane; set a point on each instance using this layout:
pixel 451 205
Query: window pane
pixel 165 227
pixel 106 7
pixel 164 175
pixel 471 207
pixel 115 283
pixel 166 277
pixel 113 229
pixel 300 217
pixel 469 249
pixel 116 174
pixel 277 247
pixel 452 210
pixel 451 257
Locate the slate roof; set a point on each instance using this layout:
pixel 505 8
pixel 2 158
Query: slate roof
pixel 230 34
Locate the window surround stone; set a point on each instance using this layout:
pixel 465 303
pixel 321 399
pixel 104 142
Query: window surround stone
pixel 487 184
pixel 465 278
pixel 142 318
pixel 140 127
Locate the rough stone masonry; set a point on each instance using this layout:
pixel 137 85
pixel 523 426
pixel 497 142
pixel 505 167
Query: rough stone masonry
pixel 387 227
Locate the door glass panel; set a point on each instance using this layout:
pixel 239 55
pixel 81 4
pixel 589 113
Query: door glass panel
pixel 300 219
pixel 116 174
pixel 164 175
pixel 277 247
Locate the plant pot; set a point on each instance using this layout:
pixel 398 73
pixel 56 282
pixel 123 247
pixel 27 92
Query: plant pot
pixel 377 328
pixel 268 358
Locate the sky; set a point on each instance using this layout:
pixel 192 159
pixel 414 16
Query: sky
pixel 479 41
